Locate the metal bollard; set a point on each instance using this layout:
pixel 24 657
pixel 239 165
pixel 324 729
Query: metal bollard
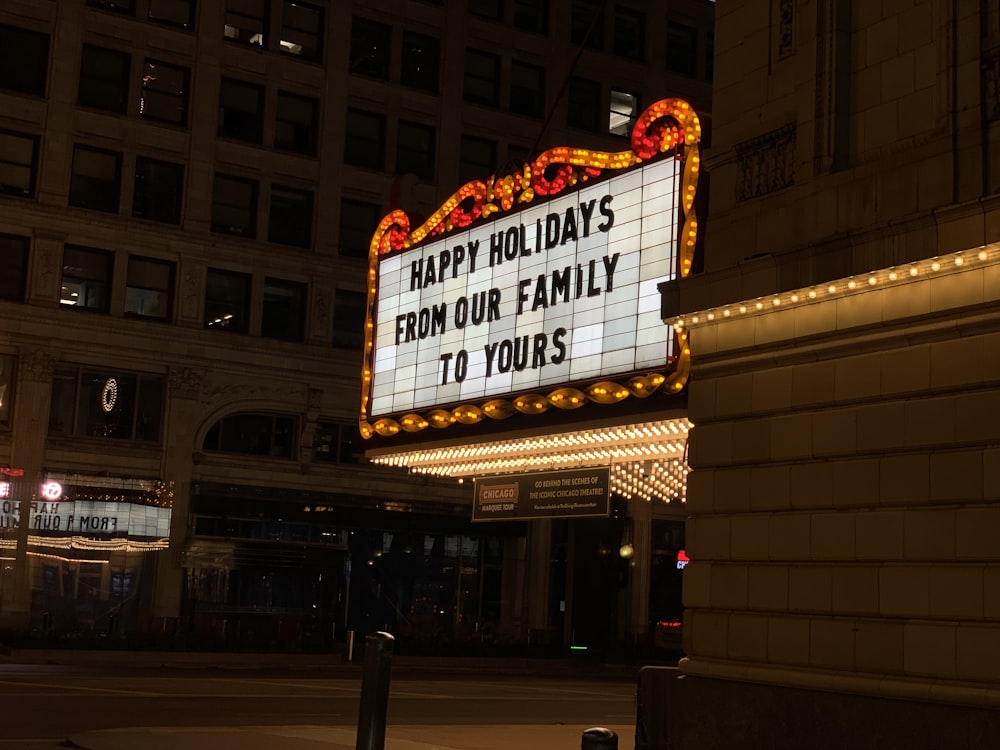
pixel 374 692
pixel 598 738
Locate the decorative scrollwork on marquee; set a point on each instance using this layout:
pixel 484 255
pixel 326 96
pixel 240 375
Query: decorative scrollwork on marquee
pixel 665 126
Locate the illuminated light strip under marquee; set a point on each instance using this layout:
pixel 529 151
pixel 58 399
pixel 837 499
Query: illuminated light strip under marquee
pixel 420 293
pixel 907 273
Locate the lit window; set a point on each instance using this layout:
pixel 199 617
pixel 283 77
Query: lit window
pixel 227 300
pixel 113 404
pixel 164 92
pixel 624 110
pixel 302 30
pixel 86 278
pixel 246 21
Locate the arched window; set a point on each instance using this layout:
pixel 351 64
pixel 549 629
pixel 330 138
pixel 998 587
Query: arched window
pixel 254 434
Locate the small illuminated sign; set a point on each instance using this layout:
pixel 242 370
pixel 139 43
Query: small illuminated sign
pixel 109 395
pixel 682 559
pixel 51 491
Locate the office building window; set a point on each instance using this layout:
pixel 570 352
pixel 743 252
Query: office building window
pixel 106 403
pixel 421 60
pixel 338 442
pixel 477 158
pixel 234 206
pixel 364 144
pixel 302 30
pixel 24 60
pixel 415 149
pixel 283 315
pixel 348 319
pixel 149 288
pixel 172 12
pixel 583 102
pixel 532 15
pixel 241 110
pixel 358 222
pixel 254 435
pixel 291 217
pixel 164 93
pixel 6 388
pixel 487 9
pixel 95 182
pixel 296 123
pixel 86 278
pixel 517 154
pixel 370 42
pixel 14 259
pixel 587 16
pixel 158 190
pixel 104 75
pixel 227 300
pixel 246 21
pixel 126 7
pixel 629 34
pixel 482 78
pixel 18 164
pixel 527 89
pixel 624 111
pixel 681 48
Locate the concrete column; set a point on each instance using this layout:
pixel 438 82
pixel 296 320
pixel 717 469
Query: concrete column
pixel 641 514
pixel 537 583
pixel 181 423
pixel 29 427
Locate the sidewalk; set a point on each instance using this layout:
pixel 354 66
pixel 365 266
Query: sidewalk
pixel 478 737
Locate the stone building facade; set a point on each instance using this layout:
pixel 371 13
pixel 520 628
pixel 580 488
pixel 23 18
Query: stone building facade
pixel 844 589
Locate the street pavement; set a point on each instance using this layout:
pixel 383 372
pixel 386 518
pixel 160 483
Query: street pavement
pixel 526 736
pixel 479 737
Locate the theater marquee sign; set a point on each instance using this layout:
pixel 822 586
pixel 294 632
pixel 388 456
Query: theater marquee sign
pixel 537 289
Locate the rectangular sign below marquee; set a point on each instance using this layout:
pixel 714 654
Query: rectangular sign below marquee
pixel 560 292
pixel 549 494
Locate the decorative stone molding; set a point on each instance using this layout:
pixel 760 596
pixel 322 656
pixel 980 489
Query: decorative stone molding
pixel 786 28
pixel 767 163
pixel 184 382
pixel 37 365
pixel 190 283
